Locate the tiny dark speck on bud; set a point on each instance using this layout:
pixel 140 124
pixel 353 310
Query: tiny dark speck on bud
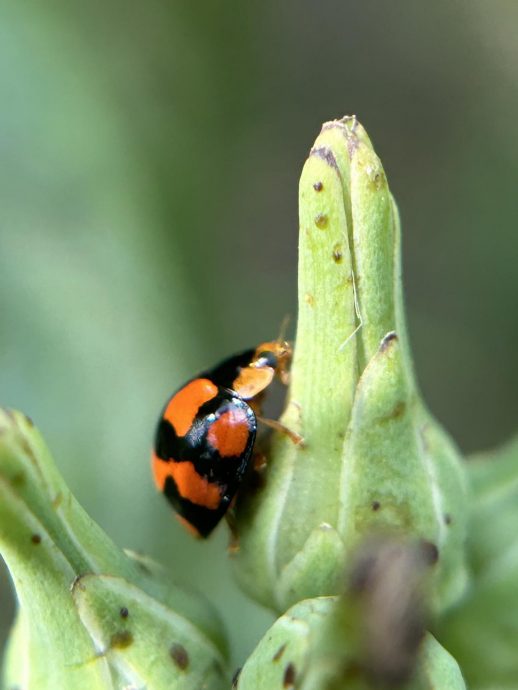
pixel 376 505
pixel 309 299
pixel 121 640
pixel 337 254
pixel 179 656
pixel 143 567
pixel 289 676
pixel 235 678
pixel 124 613
pixel 36 539
pixel 430 552
pixel 448 519
pixel 387 340
pixel 318 186
pixel 321 221
pixel 326 155
pixel 279 652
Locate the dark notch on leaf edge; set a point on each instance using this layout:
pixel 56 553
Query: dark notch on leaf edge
pixel 350 135
pixel 326 155
pixel 386 341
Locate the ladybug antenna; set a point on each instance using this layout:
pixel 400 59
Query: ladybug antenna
pixel 284 327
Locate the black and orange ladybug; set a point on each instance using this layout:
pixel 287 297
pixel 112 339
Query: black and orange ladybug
pixel 205 436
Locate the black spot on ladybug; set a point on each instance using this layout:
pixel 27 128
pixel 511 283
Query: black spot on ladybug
pixel 318 186
pixel 279 652
pixel 179 655
pixel 448 519
pixel 124 613
pixel 430 552
pixel 121 640
pixel 376 505
pixel 289 676
pixel 235 678
pixel 321 221
pixel 36 539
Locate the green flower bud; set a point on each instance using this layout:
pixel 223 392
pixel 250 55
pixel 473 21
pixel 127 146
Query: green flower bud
pixel 90 616
pixel 482 631
pixel 373 459
pixel 371 637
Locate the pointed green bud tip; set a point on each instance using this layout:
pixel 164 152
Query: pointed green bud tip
pixel 90 616
pixel 371 637
pixel 373 460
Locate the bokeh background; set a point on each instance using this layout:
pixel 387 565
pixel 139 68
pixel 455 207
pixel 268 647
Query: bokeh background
pixel 150 155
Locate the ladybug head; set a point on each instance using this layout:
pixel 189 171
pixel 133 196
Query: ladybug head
pixel 275 355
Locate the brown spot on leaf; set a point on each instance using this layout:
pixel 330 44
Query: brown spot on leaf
pixel 318 186
pixel 124 613
pixel 18 479
pixel 121 640
pixel 36 539
pixel 321 221
pixel 289 676
pixel 430 552
pixel 235 678
pixel 325 154
pixel 337 254
pixel 57 500
pixel 279 652
pixel 387 340
pixel 144 568
pixel 448 519
pixel 309 299
pixel 397 411
pixel 376 505
pixel 179 656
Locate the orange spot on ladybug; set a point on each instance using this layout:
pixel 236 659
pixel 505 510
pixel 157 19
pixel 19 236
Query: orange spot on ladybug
pixel 184 405
pixel 193 486
pixel 229 433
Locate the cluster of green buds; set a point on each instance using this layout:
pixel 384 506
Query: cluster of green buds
pixel 358 536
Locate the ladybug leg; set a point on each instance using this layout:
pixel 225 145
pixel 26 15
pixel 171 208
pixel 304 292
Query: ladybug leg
pixel 259 461
pixel 285 377
pixel 277 426
pixel 233 543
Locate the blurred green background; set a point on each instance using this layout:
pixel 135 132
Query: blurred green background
pixel 150 155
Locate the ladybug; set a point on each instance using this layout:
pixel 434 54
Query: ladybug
pixel 205 437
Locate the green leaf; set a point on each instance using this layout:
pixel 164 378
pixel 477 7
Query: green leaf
pixel 90 616
pixel 482 631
